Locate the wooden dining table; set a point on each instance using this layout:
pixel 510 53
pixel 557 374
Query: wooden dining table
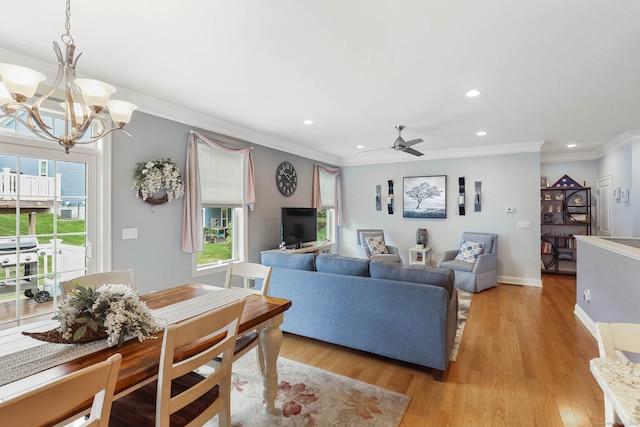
pixel 140 360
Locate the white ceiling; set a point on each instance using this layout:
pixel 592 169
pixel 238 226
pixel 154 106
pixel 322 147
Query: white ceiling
pixel 549 71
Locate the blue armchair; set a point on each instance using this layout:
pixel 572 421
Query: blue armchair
pixel 477 275
pixel 363 250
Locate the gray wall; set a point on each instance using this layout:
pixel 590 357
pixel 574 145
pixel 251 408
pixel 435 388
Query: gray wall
pixel 156 254
pixel 583 172
pixel 612 281
pixel 622 164
pixel 507 180
pixel 157 258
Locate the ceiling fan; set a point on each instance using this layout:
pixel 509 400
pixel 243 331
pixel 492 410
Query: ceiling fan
pixel 401 145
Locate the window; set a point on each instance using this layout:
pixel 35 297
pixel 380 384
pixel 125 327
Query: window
pixel 53 120
pixel 223 214
pixel 327 212
pixel 43 167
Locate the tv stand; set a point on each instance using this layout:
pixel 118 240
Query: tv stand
pixel 311 247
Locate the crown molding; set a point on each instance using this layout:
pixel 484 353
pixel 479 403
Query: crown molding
pixel 614 144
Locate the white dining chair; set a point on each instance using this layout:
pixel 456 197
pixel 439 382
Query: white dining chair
pixel 120 277
pixel 58 398
pixel 247 272
pixel 180 396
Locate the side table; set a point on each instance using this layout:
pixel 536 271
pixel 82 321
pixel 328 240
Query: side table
pixel 419 255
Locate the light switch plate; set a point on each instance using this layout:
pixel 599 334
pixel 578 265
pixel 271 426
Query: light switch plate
pixel 129 233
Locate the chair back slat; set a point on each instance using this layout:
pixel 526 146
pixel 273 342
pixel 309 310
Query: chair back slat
pixel 121 277
pixel 44 404
pixel 248 271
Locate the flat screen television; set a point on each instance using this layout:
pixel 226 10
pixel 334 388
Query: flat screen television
pixel 298 226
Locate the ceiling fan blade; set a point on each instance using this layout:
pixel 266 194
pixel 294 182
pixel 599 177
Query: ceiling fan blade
pixel 412 151
pixel 413 142
pixel 374 149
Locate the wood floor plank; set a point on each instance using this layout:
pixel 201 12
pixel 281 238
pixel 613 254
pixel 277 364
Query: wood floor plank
pixel 523 361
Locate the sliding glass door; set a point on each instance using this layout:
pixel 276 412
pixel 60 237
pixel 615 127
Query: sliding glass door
pixel 47 225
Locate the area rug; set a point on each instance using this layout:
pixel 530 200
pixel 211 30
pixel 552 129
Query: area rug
pixel 464 302
pixel 309 396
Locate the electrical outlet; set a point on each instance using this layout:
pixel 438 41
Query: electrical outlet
pixel 587 295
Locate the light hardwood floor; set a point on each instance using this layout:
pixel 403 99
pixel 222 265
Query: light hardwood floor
pixel 523 361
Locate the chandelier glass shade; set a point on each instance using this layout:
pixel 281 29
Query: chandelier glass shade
pixel 80 101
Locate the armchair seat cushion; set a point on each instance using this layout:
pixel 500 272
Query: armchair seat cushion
pixel 456 264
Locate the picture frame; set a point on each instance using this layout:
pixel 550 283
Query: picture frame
pixel 424 197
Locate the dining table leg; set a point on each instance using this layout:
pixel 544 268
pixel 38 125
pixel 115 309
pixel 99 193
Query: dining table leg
pixel 271 340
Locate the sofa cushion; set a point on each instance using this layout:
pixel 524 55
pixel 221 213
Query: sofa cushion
pixel 416 273
pixel 285 260
pixel 469 251
pixel 376 245
pixel 337 264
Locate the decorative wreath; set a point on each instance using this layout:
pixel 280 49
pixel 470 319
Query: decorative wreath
pixel 151 178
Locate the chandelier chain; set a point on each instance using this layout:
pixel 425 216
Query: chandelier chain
pixel 66 38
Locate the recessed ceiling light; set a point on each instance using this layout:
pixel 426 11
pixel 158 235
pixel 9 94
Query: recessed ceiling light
pixel 359 147
pixel 481 133
pixel 571 145
pixel 308 122
pixel 473 93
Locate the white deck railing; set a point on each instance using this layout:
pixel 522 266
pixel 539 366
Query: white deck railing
pixel 30 187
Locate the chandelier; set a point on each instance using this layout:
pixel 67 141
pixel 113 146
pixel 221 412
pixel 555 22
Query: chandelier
pixel 82 99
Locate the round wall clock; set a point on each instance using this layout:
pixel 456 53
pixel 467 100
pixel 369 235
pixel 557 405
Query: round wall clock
pixel 286 179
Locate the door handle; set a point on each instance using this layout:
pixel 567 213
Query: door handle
pixel 87 251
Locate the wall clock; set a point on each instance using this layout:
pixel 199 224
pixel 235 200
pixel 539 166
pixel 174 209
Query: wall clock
pixel 286 179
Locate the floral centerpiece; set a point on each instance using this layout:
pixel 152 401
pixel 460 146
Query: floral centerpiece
pixel 152 177
pixel 112 311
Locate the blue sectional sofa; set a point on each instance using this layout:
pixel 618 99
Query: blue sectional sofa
pixel 408 313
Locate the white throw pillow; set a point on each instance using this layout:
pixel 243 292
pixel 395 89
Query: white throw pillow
pixel 469 251
pixel 376 245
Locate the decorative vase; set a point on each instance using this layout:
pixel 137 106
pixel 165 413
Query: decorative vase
pixel 422 238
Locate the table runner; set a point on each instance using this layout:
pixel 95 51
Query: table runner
pixel 45 355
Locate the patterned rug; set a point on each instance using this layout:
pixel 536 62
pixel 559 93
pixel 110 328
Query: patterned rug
pixel 308 396
pixel 464 302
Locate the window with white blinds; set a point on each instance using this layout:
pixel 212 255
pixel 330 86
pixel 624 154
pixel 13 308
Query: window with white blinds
pixel 327 190
pixel 221 177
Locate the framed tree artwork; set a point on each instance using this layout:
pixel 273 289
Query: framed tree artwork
pixel 425 197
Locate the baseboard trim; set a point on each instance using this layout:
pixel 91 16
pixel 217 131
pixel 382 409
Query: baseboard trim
pixel 521 281
pixel 585 319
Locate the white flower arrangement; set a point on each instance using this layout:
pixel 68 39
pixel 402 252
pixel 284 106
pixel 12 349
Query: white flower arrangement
pixel 151 177
pixel 115 308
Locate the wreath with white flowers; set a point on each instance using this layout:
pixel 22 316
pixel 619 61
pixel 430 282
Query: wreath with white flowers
pixel 150 178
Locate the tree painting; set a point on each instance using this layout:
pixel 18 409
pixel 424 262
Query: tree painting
pixel 422 192
pixel 425 197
